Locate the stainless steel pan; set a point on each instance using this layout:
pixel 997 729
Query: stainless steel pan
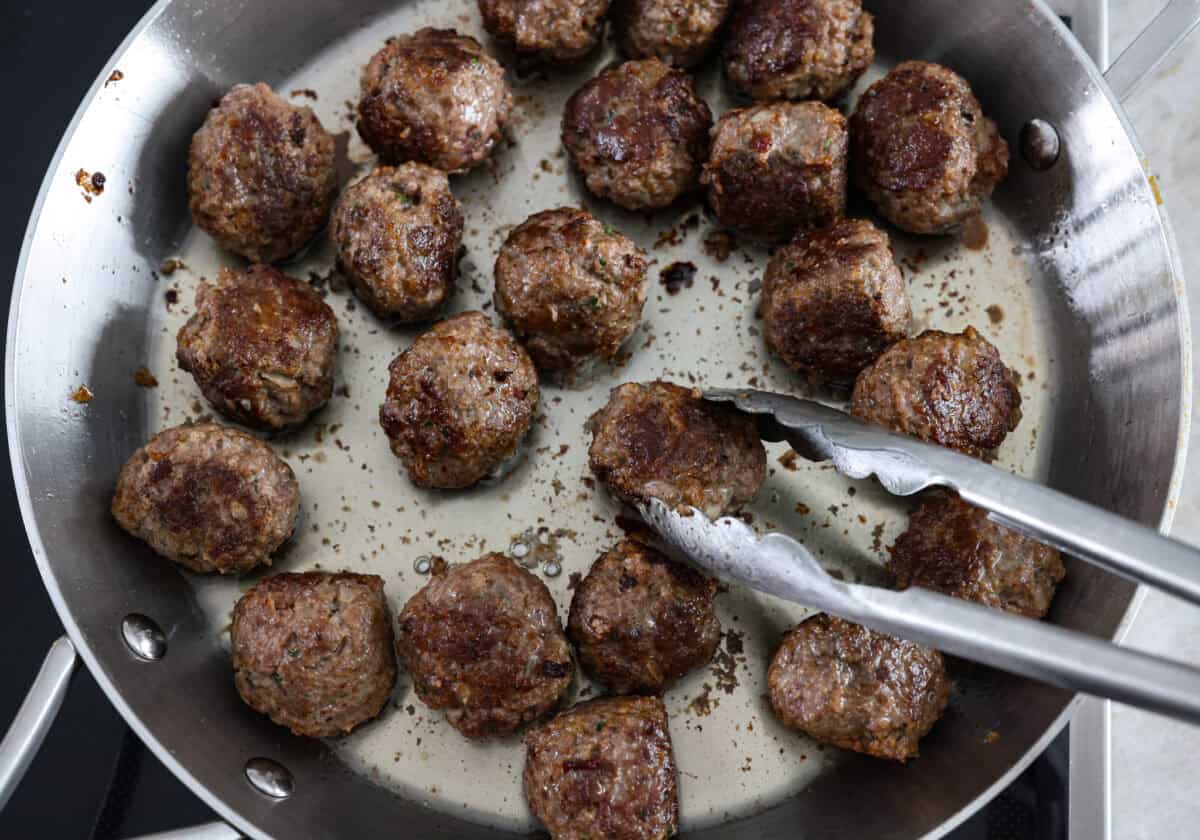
pixel 1079 287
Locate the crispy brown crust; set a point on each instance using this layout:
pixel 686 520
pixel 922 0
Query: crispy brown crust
pixel 659 440
pixel 640 621
pixel 857 689
pixel 459 402
pixel 397 232
pixel 639 134
pixel 570 286
pixel 314 650
pixel 554 30
pixel 679 32
pixel 833 300
pixel 435 97
pixel 261 346
pixel 210 498
pixel 945 388
pixel 604 768
pixel 953 547
pixel 482 640
pixel 261 175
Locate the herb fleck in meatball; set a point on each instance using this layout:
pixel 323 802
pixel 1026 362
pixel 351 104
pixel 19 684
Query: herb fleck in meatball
pixel 261 175
pixel 482 640
pixel 210 498
pixel 679 32
pixel 261 346
pixel 554 30
pixel 397 233
pixel 435 97
pixel 314 650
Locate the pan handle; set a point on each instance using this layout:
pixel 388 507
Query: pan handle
pixel 35 716
pixel 1155 42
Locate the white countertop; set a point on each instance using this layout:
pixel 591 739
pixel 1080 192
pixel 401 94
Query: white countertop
pixel 1156 762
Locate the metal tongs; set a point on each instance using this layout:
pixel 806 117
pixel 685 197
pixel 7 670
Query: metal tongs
pixel 779 565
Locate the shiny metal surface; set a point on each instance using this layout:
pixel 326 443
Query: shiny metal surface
pixel 1095 292
pixel 208 831
pixel 1174 23
pixel 144 637
pixel 269 777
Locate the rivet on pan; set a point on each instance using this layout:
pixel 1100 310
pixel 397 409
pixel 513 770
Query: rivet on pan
pixel 1039 144
pixel 552 569
pixel 144 638
pixel 422 564
pixel 519 549
pixel 270 777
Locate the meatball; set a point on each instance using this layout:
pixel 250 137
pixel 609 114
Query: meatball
pixel 314 650
pixel 679 32
pixel 849 686
pixel 397 233
pixel 260 175
pixel 604 768
pixel 660 440
pixel 777 167
pixel 944 388
pixel 482 641
pixel 640 621
pixel 554 30
pixel 638 133
pixel 434 97
pixel 210 498
pixel 571 287
pixel 923 151
pixel 798 49
pixel 261 346
pixel 953 547
pixel 833 300
pixel 459 402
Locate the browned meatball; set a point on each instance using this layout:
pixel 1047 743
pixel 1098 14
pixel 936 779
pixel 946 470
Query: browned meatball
pixel 210 498
pixel 923 150
pixel 777 167
pixel 849 686
pixel 554 30
pixel 261 176
pixel 833 300
pixel 604 769
pixel 482 641
pixel 953 547
pixel 945 388
pixel 314 650
pixel 798 49
pixel 638 133
pixel 435 97
pixel 640 621
pixel 679 32
pixel 459 402
pixel 658 440
pixel 397 233
pixel 571 287
pixel 261 346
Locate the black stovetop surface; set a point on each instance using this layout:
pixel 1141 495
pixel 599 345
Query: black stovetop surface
pixel 92 778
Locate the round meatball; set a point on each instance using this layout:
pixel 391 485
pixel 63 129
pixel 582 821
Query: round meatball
pixel 833 300
pixel 314 650
pixel 261 175
pixel 482 641
pixel 679 32
pixel 459 402
pixel 638 133
pixel 604 768
pixel 435 97
pixel 923 151
pixel 798 49
pixel 397 233
pixel 849 686
pixel 777 167
pixel 640 621
pixel 953 547
pixel 944 388
pixel 553 30
pixel 261 346
pixel 210 498
pixel 658 440
pixel 571 287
